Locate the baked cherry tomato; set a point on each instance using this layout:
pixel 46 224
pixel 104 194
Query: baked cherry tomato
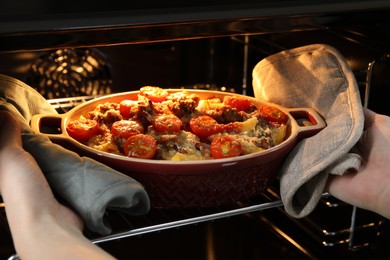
pixel 204 126
pixel 127 108
pixel 140 146
pixel 153 93
pixel 225 147
pixel 126 128
pixel 169 122
pixel 239 103
pixel 273 114
pixel 82 129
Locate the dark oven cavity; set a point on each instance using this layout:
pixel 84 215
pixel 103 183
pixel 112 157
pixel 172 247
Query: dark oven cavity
pixel 254 229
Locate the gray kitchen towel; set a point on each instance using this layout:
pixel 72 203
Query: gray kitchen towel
pixel 315 76
pixel 89 187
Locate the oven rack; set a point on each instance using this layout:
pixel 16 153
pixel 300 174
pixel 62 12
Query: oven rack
pixel 162 219
pixel 158 220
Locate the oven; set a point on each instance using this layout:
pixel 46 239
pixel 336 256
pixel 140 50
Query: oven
pixel 205 45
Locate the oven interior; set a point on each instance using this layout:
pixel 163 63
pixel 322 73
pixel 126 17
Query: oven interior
pixel 256 229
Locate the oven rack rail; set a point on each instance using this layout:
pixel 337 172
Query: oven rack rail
pixel 189 221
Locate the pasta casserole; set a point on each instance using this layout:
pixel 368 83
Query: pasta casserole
pixel 180 126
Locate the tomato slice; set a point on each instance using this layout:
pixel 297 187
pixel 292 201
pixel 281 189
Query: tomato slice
pixel 126 128
pixel 128 107
pixel 225 147
pixel 153 93
pixel 273 114
pixel 140 146
pixel 169 122
pixel 82 129
pixel 239 103
pixel 204 126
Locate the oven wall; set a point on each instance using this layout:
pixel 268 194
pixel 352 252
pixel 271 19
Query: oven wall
pixel 187 63
pixel 217 62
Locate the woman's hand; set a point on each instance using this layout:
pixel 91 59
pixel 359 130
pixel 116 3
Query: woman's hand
pixel 41 227
pixel 369 188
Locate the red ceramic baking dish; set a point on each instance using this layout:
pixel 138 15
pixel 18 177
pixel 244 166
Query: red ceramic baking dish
pixel 185 184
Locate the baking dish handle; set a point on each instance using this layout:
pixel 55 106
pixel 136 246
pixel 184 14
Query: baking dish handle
pixel 49 125
pixel 309 121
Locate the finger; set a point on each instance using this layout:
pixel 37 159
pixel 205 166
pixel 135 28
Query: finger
pixel 10 129
pixel 369 117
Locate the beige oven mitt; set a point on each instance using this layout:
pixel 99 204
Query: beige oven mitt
pixel 86 185
pixel 315 76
